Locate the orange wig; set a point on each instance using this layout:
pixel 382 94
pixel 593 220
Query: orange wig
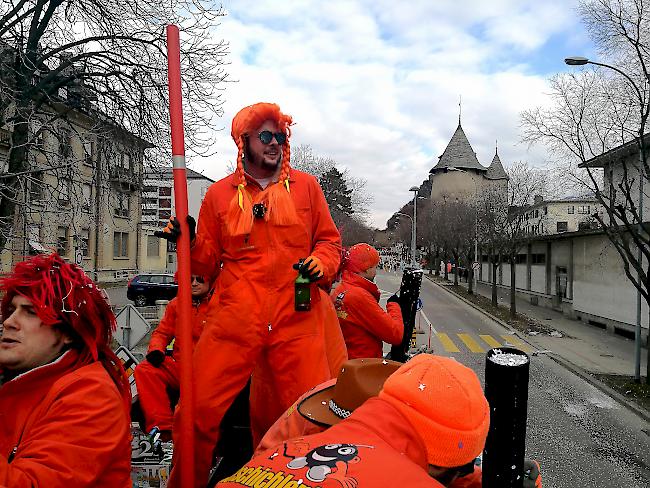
pixel 279 205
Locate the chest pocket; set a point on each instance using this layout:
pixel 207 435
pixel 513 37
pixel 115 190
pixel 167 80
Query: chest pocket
pixel 297 236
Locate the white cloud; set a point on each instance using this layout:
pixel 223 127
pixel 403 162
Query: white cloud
pixel 375 84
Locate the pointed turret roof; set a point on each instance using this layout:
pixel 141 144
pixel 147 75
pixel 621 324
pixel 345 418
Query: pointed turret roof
pixel 458 154
pixel 495 171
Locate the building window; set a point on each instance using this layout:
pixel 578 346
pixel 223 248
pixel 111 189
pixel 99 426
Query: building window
pixel 545 210
pixel 538 258
pixel 153 246
pixel 149 189
pixel 165 191
pixel 570 209
pixel 64 191
pixel 562 226
pixel 521 259
pixel 84 242
pixel 149 211
pixel 87 197
pixel 536 213
pixel 88 153
pixel 164 214
pixel 122 204
pixel 583 209
pixel 120 244
pixel 62 240
pixel 36 186
pixel 165 203
pixel 65 143
pixel 150 201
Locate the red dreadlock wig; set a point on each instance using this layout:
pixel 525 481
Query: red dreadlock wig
pixel 64 297
pixel 279 205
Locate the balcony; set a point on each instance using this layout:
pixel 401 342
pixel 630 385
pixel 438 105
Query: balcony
pixel 123 178
pixel 5 138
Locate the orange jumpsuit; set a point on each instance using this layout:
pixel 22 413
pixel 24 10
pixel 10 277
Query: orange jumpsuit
pixel 375 447
pixel 262 384
pixel 364 323
pixel 154 384
pixel 64 424
pixel 253 322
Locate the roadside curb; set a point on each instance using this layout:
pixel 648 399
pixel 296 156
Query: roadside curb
pixel 577 370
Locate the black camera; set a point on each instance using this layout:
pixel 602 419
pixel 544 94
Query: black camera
pixel 259 210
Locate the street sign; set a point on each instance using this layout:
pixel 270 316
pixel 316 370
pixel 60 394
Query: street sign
pixel 129 362
pixel 78 256
pixel 476 265
pixel 132 327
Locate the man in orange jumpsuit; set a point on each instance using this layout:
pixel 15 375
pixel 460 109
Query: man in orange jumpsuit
pixel 64 397
pixel 255 225
pixel 364 323
pixel 157 377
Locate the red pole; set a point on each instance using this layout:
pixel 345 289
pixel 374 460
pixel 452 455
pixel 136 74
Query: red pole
pixel 183 324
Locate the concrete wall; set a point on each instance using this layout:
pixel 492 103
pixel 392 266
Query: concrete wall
pixel 601 288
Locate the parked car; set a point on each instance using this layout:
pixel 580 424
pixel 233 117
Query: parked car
pixel 145 289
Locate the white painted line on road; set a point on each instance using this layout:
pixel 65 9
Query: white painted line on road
pixel 428 322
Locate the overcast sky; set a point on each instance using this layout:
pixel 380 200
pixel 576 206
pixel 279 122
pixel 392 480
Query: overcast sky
pixel 376 84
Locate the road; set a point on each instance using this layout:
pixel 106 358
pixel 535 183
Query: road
pixel 581 436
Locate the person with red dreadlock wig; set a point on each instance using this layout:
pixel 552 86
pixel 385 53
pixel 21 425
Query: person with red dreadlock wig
pixel 364 323
pixel 64 396
pixel 254 225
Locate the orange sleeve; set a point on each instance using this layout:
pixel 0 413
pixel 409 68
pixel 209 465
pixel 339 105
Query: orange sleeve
pixel 326 240
pixel 166 329
pixel 84 433
pixel 387 326
pixel 474 480
pixel 206 250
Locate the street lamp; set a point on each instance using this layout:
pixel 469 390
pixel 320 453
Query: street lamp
pixel 415 191
pixel 581 61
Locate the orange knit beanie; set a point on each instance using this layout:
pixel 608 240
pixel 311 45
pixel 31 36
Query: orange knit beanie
pixel 360 257
pixel 444 402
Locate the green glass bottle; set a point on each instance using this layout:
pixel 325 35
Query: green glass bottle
pixel 302 290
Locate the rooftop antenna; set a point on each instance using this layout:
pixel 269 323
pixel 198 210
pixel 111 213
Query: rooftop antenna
pixel 460 107
pixel 496 146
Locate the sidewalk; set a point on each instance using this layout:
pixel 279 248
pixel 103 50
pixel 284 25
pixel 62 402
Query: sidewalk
pixel 591 348
pixel 588 351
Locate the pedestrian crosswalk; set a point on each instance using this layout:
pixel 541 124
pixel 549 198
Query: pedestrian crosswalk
pixel 478 344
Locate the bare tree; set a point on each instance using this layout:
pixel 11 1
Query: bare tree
pixel 304 159
pixel 103 61
pixel 602 108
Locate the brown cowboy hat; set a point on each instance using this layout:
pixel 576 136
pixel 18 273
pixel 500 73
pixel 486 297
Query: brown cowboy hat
pixel 359 380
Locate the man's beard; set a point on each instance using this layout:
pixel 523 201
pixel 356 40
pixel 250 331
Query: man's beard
pixel 262 163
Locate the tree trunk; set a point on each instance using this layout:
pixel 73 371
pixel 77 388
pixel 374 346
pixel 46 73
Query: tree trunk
pixel 494 281
pixel 470 283
pixel 513 297
pixel 647 365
